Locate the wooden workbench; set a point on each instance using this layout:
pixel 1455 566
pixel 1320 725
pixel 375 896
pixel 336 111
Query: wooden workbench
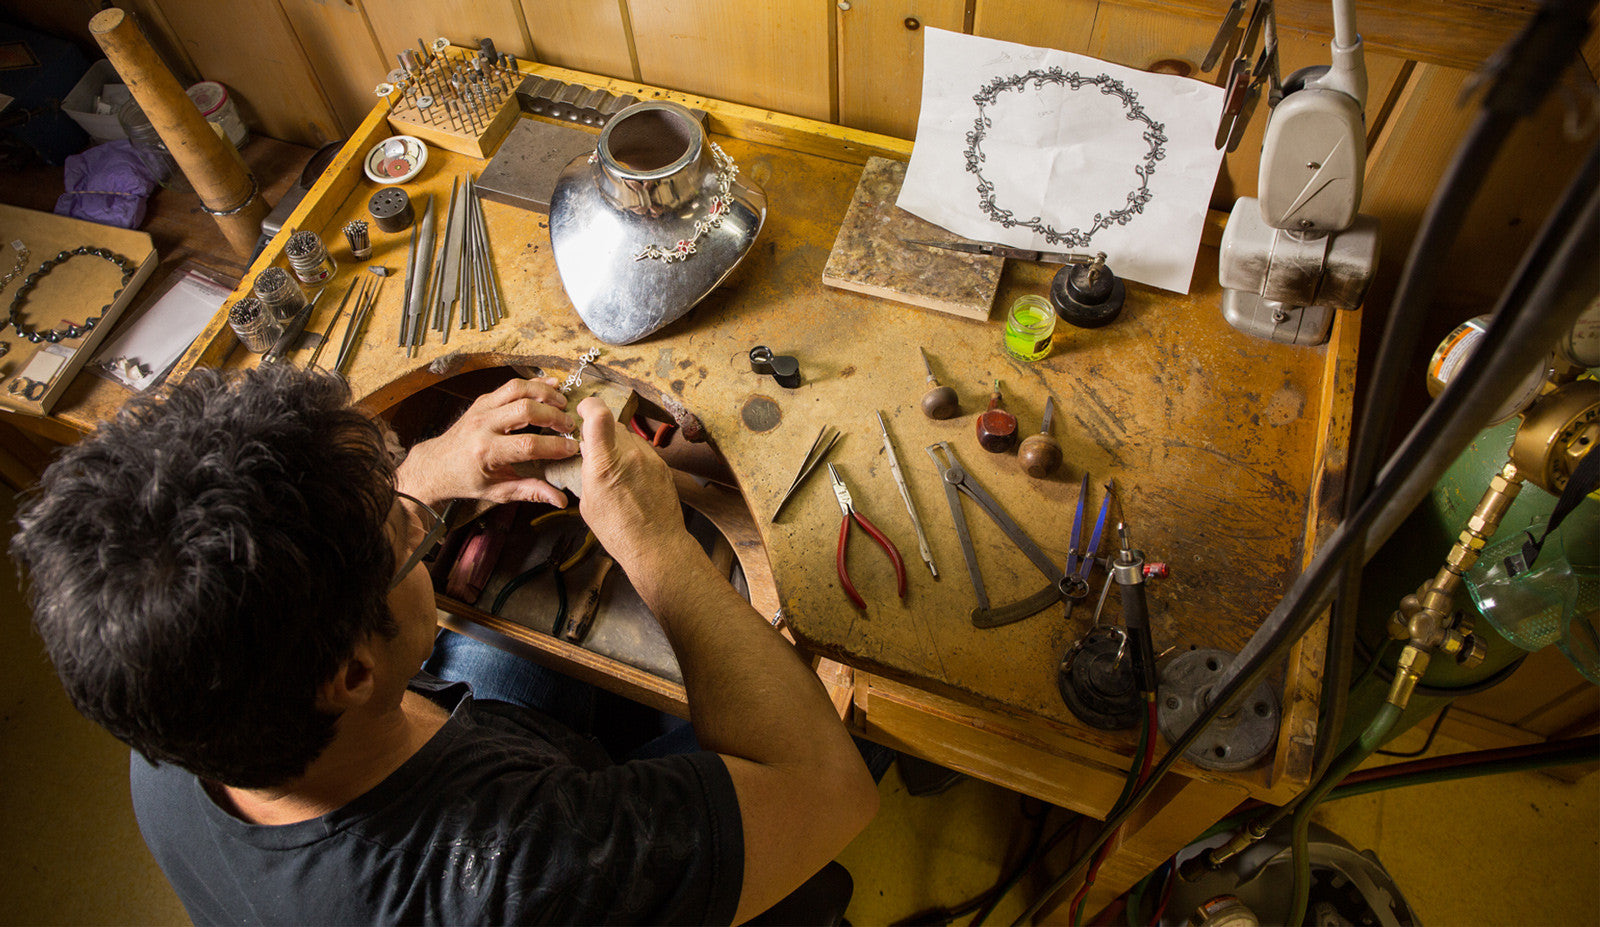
pixel 1227 453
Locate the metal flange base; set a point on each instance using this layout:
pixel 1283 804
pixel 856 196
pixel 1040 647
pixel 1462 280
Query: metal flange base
pixel 1233 741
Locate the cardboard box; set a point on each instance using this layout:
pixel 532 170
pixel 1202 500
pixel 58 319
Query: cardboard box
pixel 80 102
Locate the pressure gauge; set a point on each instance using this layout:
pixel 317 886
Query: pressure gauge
pixel 1581 346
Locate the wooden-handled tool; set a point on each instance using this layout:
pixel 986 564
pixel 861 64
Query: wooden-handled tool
pixel 997 428
pixel 938 401
pixel 213 166
pixel 1041 453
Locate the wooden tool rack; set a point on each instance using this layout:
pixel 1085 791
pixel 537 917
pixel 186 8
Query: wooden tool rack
pixel 1228 455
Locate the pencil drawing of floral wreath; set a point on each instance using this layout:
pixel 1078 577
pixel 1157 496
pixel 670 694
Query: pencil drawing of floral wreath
pixel 1154 134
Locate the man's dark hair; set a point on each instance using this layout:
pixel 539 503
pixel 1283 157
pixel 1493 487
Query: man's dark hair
pixel 201 563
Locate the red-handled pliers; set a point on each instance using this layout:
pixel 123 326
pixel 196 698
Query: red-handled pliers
pixel 849 510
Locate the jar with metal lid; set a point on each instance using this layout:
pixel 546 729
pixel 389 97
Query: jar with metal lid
pixel 214 103
pixel 258 329
pixel 278 291
pixel 150 148
pixel 1030 328
pixel 1452 355
pixel 309 257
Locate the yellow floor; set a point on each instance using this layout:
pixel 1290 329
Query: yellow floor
pixel 1519 849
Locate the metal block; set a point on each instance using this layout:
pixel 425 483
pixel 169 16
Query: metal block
pixel 523 172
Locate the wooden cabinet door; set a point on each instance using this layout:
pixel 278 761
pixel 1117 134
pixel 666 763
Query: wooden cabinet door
pixel 774 55
pixel 585 35
pixel 881 63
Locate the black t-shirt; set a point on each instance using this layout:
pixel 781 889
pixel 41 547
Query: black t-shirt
pixel 504 816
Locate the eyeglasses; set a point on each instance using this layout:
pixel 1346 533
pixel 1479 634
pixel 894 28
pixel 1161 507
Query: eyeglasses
pixel 435 533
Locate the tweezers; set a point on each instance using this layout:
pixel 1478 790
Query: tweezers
pixel 819 452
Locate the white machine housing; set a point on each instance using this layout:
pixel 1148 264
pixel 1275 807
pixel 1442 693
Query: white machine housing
pixel 1301 251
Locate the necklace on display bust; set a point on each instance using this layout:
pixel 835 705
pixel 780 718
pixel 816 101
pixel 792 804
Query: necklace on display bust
pixel 70 331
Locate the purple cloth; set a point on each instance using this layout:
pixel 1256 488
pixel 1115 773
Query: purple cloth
pixel 109 184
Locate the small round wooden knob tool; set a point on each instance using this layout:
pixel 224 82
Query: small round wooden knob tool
pixel 1041 453
pixel 997 428
pixel 939 401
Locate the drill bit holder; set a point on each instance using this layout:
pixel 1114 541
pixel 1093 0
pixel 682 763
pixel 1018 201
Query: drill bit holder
pixel 459 100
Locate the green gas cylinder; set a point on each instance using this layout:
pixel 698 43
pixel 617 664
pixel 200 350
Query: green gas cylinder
pixel 1415 553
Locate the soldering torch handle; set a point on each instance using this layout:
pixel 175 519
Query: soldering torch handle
pixel 1136 618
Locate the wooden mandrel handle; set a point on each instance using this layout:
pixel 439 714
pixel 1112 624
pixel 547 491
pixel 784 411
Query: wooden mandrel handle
pixel 212 165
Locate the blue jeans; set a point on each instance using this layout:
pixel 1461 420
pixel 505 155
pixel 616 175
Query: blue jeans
pixel 627 730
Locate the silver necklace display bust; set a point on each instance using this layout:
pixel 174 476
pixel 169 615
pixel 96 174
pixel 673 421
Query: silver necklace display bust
pixel 648 224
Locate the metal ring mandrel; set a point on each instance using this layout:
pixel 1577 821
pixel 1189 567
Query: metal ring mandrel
pixel 781 367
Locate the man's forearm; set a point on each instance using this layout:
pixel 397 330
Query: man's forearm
pixel 803 791
pixel 750 694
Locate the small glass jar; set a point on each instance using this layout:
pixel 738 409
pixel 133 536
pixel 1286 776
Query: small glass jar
pixel 1030 328
pixel 147 144
pixel 280 293
pixel 258 329
pixel 309 258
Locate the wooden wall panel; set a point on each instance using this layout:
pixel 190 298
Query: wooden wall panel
pixel 1457 34
pixel 880 60
pixel 1539 160
pixel 773 55
pixel 1411 156
pixel 585 35
pixel 343 53
pixel 1591 50
pixel 399 23
pixel 1066 25
pixel 163 37
pixel 250 47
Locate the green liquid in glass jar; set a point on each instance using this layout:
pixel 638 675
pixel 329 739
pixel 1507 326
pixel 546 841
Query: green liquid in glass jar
pixel 1030 327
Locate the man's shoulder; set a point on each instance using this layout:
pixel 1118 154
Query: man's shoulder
pixel 495 794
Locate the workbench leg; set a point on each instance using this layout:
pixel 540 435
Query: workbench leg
pixel 1169 820
pixel 23 456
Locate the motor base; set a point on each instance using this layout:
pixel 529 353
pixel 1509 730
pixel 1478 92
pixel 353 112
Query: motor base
pixel 1101 690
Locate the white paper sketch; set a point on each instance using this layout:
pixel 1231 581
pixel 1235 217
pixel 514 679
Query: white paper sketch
pixel 1053 151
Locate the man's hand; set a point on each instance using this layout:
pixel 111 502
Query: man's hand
pixel 803 791
pixel 628 498
pixel 474 459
